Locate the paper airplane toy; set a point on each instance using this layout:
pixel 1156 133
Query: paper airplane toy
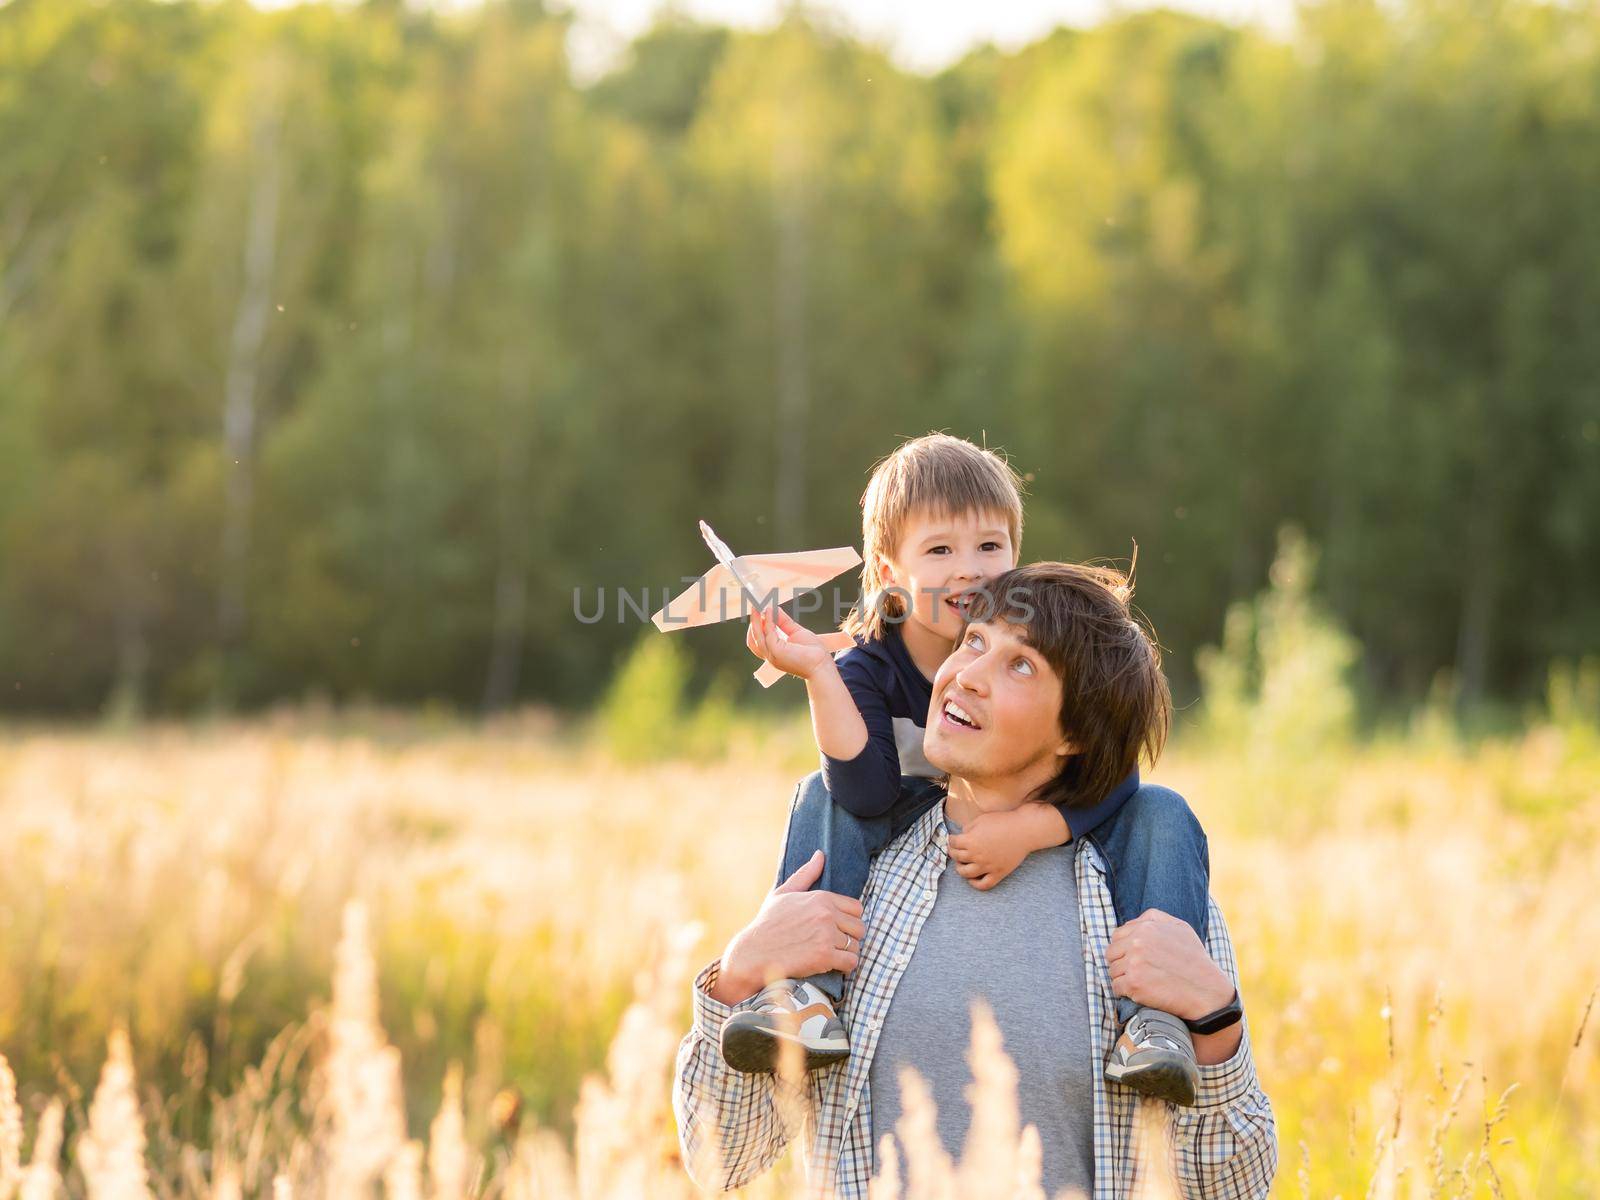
pixel 742 582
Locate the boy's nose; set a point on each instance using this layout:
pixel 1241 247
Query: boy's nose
pixel 967 570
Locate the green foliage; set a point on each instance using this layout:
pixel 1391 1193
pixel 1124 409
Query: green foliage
pixel 644 712
pixel 1572 699
pixel 715 721
pixel 507 337
pixel 661 86
pixel 647 714
pixel 1279 683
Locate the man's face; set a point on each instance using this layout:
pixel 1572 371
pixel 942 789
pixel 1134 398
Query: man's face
pixel 996 709
pixel 942 557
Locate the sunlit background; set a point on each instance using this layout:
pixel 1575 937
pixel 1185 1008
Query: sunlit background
pixel 353 356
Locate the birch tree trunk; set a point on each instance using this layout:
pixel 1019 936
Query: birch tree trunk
pixel 23 250
pixel 794 400
pixel 511 559
pixel 244 372
pixel 1480 590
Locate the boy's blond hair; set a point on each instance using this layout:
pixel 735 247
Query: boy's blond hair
pixel 947 476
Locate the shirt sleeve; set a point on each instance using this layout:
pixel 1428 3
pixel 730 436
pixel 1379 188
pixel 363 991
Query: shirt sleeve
pixel 866 785
pixel 730 1128
pixel 1226 1146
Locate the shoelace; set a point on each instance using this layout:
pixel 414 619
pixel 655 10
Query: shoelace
pixel 785 995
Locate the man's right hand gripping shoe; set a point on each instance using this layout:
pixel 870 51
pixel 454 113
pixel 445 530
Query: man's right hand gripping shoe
pixel 787 1012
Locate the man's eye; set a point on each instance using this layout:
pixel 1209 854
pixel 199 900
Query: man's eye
pixel 975 640
pixel 1025 666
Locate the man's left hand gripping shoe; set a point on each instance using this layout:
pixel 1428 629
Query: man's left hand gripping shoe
pixel 789 1011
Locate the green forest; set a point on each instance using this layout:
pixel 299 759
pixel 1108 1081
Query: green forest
pixel 346 349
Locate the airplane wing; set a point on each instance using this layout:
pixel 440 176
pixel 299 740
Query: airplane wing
pixel 714 597
pixel 790 574
pixel 729 589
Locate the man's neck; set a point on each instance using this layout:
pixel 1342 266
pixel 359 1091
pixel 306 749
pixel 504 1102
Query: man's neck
pixel 968 799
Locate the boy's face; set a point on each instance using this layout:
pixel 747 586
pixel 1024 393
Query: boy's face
pixel 996 710
pixel 942 557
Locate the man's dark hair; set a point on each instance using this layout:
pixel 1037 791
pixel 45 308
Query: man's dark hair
pixel 1114 699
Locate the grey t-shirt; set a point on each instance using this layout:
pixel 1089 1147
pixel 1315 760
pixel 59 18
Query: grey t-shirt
pixel 1018 946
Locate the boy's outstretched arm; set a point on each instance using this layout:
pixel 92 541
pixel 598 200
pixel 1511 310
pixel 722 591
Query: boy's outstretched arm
pixel 839 729
pixel 854 731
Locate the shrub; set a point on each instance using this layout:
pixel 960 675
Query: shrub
pixel 1280 681
pixel 643 714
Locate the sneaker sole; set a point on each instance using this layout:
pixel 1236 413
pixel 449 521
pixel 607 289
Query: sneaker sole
pixel 755 1051
pixel 1163 1077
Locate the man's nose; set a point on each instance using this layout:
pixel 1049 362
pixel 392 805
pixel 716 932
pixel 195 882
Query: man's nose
pixel 974 677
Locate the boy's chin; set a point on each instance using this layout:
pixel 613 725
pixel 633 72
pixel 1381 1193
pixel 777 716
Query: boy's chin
pixel 946 624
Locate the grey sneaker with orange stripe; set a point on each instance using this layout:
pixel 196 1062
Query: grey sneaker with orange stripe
pixel 787 1012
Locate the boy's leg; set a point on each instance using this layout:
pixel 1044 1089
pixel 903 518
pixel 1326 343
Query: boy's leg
pixel 803 1011
pixel 847 843
pixel 1158 858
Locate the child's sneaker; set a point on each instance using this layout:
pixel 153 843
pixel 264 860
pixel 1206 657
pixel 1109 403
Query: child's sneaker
pixel 1155 1057
pixel 787 1011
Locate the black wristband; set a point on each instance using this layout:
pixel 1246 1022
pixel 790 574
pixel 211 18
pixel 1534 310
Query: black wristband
pixel 1220 1019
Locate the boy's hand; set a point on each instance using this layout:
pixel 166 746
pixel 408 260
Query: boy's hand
pixel 989 849
pixel 994 843
pixel 799 652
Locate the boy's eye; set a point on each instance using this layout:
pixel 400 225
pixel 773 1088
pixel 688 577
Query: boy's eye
pixel 991 546
pixel 1024 665
pixel 939 549
pixel 975 640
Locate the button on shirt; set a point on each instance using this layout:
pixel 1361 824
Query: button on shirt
pixel 1223 1147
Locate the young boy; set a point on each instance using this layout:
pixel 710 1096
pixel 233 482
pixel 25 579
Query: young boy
pixel 941 518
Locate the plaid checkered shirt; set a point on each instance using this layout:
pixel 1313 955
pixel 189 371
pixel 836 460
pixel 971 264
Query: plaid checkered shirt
pixel 1225 1146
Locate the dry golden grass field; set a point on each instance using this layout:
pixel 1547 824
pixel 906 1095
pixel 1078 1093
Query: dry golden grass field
pixel 1416 921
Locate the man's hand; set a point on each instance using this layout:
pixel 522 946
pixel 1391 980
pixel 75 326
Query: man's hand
pixel 992 844
pixel 799 652
pixel 795 934
pixel 1157 960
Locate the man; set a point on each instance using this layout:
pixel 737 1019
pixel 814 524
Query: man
pixel 1041 948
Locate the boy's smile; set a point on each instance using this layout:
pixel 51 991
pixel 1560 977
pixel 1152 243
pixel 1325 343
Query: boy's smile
pixel 940 561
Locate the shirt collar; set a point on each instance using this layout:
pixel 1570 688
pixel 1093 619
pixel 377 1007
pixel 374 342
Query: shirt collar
pixel 929 830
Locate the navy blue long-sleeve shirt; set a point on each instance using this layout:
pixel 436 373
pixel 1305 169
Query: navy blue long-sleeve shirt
pixel 893 696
